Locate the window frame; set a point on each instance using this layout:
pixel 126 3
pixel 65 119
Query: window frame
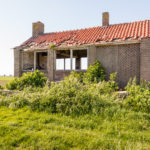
pixel 71 62
pixel 34 60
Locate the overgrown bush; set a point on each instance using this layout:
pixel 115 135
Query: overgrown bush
pixel 78 75
pixel 70 97
pixel 112 84
pixel 1 87
pixel 138 96
pixel 33 79
pixel 95 73
pixel 74 97
pixel 78 94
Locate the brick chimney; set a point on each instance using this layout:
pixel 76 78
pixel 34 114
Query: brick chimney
pixel 37 28
pixel 105 19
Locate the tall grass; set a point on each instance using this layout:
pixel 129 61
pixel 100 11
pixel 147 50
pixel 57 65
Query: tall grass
pixel 113 128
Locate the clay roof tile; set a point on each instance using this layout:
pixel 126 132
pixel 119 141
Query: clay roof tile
pixel 134 30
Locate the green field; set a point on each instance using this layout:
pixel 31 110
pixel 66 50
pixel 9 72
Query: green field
pixel 5 80
pixel 113 129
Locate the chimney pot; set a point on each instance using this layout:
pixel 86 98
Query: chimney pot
pixel 105 19
pixel 37 28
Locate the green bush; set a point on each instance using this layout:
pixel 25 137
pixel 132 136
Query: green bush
pixel 73 96
pixel 139 96
pixel 95 73
pixel 33 79
pixel 1 87
pixel 70 97
pixel 79 76
pixel 112 83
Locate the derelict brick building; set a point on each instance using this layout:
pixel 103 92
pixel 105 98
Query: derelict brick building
pixel 122 48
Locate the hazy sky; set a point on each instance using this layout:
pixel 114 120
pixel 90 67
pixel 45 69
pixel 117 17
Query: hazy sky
pixel 16 17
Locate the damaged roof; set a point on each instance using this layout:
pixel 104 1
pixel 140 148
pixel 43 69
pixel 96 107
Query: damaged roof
pixel 95 35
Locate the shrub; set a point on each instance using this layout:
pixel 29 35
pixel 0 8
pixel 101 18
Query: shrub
pixel 78 94
pixel 13 85
pixel 33 79
pixel 78 76
pixel 1 87
pixel 73 96
pixel 70 97
pixel 139 96
pixel 112 83
pixel 94 73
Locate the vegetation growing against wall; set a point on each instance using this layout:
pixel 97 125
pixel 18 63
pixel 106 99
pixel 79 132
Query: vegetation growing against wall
pixel 95 73
pixel 138 98
pixel 78 94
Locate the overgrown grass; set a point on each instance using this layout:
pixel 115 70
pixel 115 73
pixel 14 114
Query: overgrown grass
pixel 114 129
pixel 5 80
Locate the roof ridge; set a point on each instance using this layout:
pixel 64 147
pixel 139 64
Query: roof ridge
pixel 72 30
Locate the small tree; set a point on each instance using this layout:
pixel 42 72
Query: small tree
pixel 95 73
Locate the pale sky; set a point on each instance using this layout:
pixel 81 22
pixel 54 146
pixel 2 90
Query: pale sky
pixel 16 17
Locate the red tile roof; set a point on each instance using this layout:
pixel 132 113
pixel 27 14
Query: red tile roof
pixel 100 34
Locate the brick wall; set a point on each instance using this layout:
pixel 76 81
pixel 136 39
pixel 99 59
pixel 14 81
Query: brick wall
pixel 108 56
pixel 27 60
pixel 128 63
pixel 50 64
pixel 60 75
pixel 123 59
pixel 91 53
pixel 145 59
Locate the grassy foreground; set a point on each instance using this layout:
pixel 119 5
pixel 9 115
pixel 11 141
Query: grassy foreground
pixel 112 129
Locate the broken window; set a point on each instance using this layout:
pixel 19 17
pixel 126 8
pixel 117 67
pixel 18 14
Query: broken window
pixel 34 60
pixel 27 60
pixel 41 60
pixel 78 59
pixel 84 63
pixel 63 60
